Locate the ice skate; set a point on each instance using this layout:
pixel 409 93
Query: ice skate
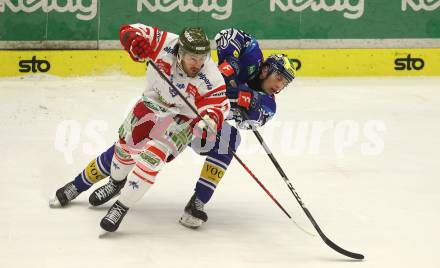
pixel 64 195
pixel 116 213
pixel 106 192
pixel 194 215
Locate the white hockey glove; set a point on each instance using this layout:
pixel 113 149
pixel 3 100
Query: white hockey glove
pixel 206 128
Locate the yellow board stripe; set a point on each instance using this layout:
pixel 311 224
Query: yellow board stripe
pixel 364 62
pixel 314 62
pixel 71 62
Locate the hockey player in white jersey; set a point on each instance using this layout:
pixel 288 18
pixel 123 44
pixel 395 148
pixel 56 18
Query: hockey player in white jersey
pixel 161 125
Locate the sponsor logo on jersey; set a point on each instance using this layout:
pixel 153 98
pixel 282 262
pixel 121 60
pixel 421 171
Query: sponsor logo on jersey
pixel 251 69
pixel 219 94
pixel 173 92
pixel 191 89
pixel 171 50
pixel 154 106
pixel 226 69
pixel 206 80
pixel 181 135
pixel 34 65
pixel 164 66
pixel 244 99
pixel 408 63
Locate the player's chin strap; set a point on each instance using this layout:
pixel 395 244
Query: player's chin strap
pixel 306 211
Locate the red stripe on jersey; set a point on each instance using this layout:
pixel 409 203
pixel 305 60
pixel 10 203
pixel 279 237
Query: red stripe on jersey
pixel 210 101
pixel 215 90
pixel 157 152
pixel 216 114
pixel 143 178
pixel 146 170
pixel 154 42
pixel 202 100
pixel 220 118
pixel 159 47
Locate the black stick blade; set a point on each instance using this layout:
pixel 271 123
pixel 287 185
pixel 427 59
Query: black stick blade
pixel 344 252
pixel 326 240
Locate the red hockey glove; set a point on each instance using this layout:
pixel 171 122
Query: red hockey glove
pixel 140 48
pixel 137 46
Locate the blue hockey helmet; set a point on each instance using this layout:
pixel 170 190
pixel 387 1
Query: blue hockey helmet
pixel 281 64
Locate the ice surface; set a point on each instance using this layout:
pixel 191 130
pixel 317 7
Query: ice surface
pixel 370 178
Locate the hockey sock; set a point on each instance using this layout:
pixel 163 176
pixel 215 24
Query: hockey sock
pixel 95 171
pixel 216 163
pixel 212 172
pixel 143 175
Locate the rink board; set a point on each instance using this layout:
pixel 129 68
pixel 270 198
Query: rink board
pixel 310 62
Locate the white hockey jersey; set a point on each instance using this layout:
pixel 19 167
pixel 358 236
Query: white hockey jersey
pixel 205 91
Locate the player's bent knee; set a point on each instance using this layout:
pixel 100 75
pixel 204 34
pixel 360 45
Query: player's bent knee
pixel 122 163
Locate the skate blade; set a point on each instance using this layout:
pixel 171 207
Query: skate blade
pixel 54 203
pixel 190 222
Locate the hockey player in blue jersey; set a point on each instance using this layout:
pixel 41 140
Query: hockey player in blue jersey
pixel 239 56
pixel 251 85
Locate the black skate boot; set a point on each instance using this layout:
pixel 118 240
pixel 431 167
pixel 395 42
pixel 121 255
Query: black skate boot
pixel 64 195
pixel 114 217
pixel 194 215
pixel 106 192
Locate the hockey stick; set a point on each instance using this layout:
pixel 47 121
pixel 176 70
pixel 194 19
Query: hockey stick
pixel 301 203
pixel 219 139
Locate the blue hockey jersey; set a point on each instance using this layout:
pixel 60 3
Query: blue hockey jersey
pixel 241 51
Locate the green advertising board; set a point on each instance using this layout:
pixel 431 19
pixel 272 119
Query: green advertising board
pixel 95 20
